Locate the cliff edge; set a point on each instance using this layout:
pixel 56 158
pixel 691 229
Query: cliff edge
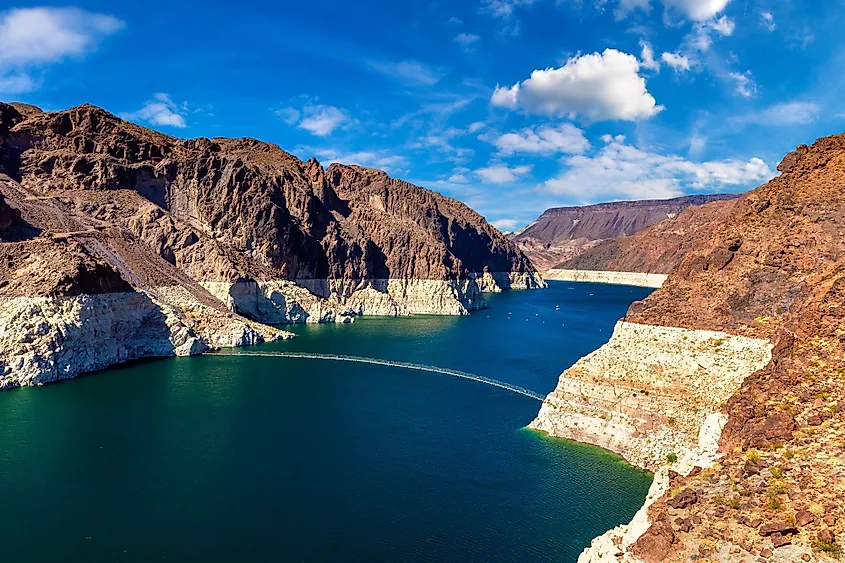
pixel 728 382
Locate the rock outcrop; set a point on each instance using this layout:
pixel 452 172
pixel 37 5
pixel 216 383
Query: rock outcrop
pixel 177 246
pixel 563 233
pixel 771 270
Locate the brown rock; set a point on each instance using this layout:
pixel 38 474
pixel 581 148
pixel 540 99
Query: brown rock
pixel 684 499
pixel 826 536
pixel 804 517
pixel 781 527
pixel 779 540
pixel 655 544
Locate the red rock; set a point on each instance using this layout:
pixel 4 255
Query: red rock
pixel 779 540
pixel 781 527
pixel 685 498
pixel 804 517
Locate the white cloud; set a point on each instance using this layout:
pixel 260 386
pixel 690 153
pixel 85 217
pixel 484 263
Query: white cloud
pixel 678 62
pixel 467 40
pixel 697 10
pixel 627 6
pixel 543 140
pixel 505 224
pixel 503 8
pixel 162 111
pixel 786 113
pixel 17 83
pixel 322 120
pixel 317 119
pixel 502 174
pixel 598 86
pixel 36 37
pixel 767 20
pixel 458 179
pixel 413 73
pixel 743 83
pixel 648 60
pixel 622 171
pixel 381 159
pixel 700 39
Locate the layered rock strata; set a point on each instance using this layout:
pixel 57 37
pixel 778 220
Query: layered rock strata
pixel 614 278
pixel 771 270
pixel 564 233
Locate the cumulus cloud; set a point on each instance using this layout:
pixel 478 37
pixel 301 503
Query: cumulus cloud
pixel 502 174
pixel 597 86
pixel 161 111
pixel 317 119
pixel 543 140
pixel 647 56
pixel 678 62
pixel 697 10
pixel 622 171
pixel 35 37
pixel 412 73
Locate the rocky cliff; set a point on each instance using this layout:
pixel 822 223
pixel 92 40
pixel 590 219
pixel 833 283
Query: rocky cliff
pixel 656 249
pixel 197 234
pixel 564 233
pixel 767 279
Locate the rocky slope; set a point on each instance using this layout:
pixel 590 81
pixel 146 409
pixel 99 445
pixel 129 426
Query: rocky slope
pixel 770 275
pixel 563 233
pixel 166 244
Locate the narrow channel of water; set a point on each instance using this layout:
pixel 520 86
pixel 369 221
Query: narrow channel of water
pixel 295 459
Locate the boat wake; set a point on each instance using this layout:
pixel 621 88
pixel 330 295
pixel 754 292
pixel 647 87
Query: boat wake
pixel 404 365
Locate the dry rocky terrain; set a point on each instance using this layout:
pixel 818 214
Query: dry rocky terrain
pixel 769 267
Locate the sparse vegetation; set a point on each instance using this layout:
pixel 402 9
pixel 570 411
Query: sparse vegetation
pixel 672 458
pixel 753 456
pixel 773 503
pixel 832 549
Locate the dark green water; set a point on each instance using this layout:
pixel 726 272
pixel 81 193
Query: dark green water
pixel 269 459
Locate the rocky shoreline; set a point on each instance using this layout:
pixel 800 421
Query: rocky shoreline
pixel 656 396
pixel 638 279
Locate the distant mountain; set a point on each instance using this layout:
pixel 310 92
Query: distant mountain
pixel 656 249
pixel 562 233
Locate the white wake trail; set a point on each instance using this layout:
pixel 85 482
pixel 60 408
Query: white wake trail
pixel 404 365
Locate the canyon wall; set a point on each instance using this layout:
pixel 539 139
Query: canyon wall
pixel 728 380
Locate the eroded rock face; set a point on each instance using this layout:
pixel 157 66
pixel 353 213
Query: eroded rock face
pixel 226 209
pixel 656 249
pixel 772 269
pixel 162 246
pixel 562 234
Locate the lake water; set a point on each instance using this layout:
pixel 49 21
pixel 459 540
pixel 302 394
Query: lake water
pixel 275 459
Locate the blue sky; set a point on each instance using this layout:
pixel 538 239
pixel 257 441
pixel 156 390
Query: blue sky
pixel 511 106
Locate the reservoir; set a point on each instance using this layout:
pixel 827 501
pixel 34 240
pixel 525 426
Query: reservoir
pixel 268 458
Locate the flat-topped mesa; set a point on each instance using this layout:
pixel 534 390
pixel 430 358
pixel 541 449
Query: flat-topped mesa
pixel 747 333
pixel 562 234
pixel 252 222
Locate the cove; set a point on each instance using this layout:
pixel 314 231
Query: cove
pixel 294 459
